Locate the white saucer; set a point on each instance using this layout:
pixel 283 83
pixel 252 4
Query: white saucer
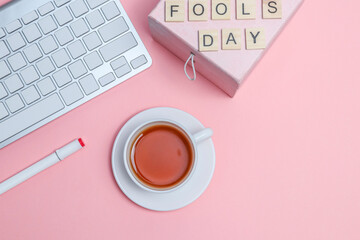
pixel 176 199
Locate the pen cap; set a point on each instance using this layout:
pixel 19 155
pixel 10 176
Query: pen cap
pixel 69 149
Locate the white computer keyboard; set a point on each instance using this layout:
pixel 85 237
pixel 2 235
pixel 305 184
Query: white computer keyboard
pixel 58 56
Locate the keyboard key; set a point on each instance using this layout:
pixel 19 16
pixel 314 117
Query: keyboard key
pixel 30 17
pixel 79 27
pixel 59 3
pixel 78 8
pixel 3 92
pixel 64 36
pixel 110 10
pixel 29 75
pixel 30 95
pixel 76 49
pixel 15 25
pixel 4 51
pixel 13 83
pixel 61 58
pixel 105 80
pixel 32 33
pixel 113 29
pixel 138 62
pixel 4 69
pixel 46 86
pixel 14 103
pixel 62 77
pixel 118 46
pixel 32 53
pixel 3 112
pixel 45 66
pixel 48 44
pixel 95 19
pixel 92 41
pixel 46 8
pixel 16 41
pixel 77 69
pixel 63 16
pixel 121 61
pixel 93 60
pixel 94 3
pixel 121 71
pixel 30 116
pixel 17 61
pixel 89 84
pixel 2 33
pixel 71 94
pixel 47 24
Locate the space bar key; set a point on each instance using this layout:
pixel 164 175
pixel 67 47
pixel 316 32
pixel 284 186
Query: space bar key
pixel 30 116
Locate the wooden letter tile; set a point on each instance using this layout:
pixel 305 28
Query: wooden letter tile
pixel 198 10
pixel 272 9
pixel 221 10
pixel 231 39
pixel 245 9
pixel 255 38
pixel 208 40
pixel 175 10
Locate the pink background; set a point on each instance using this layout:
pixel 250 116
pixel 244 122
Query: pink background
pixel 287 145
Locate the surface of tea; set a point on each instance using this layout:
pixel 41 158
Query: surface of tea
pixel 161 156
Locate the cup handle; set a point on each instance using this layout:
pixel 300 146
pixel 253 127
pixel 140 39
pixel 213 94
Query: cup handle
pixel 203 135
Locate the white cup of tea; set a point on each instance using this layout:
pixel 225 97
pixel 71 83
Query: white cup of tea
pixel 161 155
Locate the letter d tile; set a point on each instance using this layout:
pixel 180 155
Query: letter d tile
pixel 208 40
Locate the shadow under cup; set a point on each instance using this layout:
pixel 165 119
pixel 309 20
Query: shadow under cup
pixel 160 156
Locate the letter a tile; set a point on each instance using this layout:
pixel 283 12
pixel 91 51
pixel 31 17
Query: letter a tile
pixel 231 39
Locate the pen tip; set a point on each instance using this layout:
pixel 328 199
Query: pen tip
pixel 81 142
